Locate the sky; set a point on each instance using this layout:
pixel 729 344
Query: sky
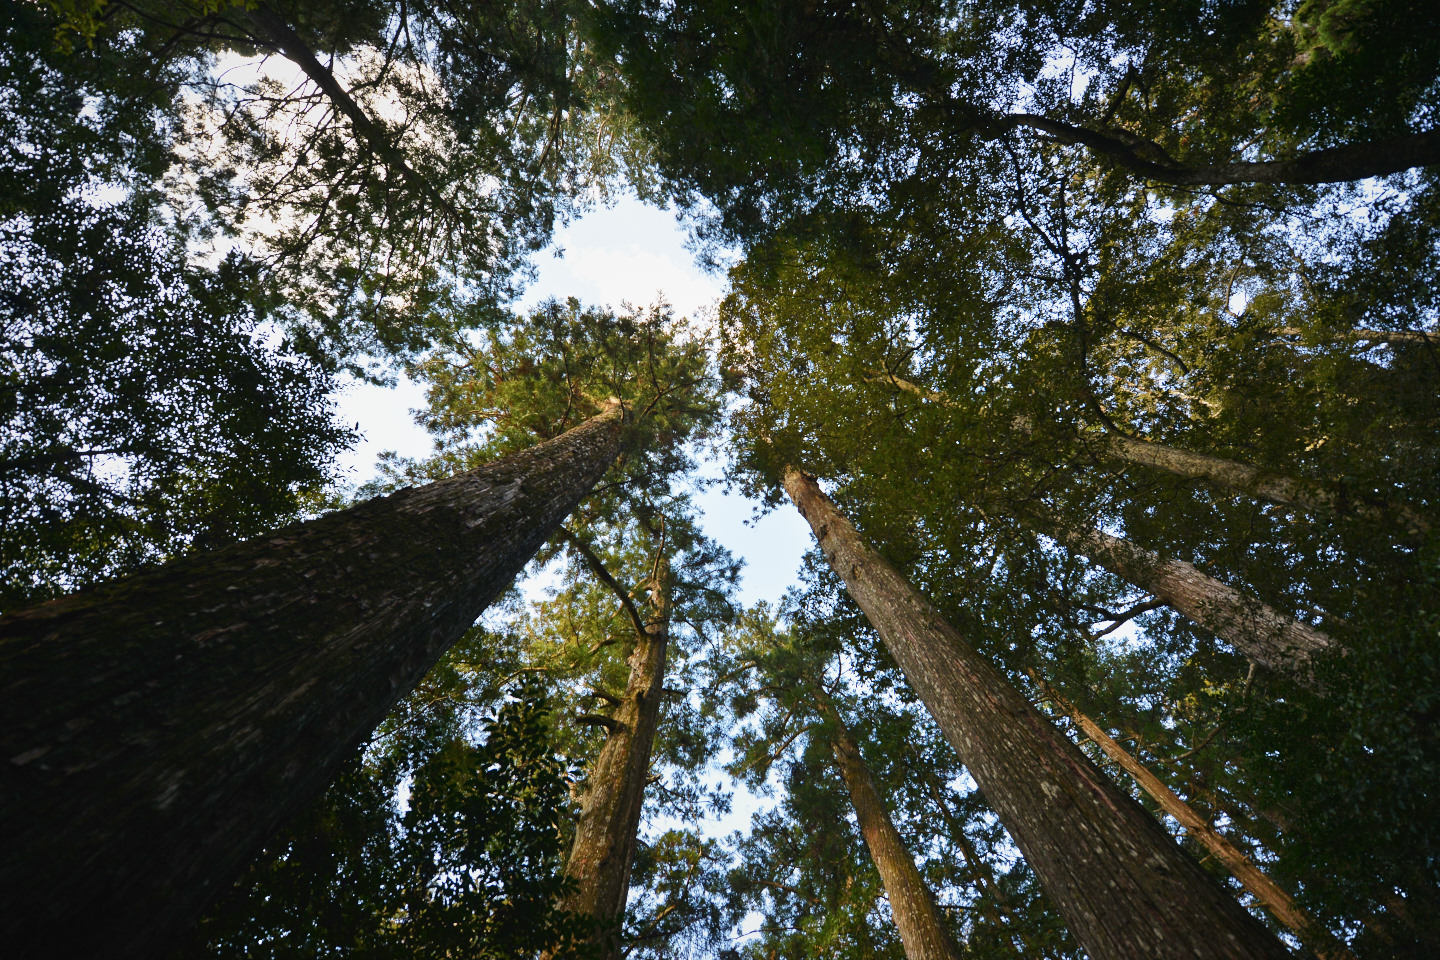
pixel 628 252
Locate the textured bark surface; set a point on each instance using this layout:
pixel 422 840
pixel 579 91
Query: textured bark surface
pixel 605 836
pixel 922 930
pixel 1254 629
pixel 1122 884
pixel 157 730
pixel 1276 900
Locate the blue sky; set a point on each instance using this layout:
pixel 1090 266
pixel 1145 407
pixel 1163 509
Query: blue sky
pixel 626 252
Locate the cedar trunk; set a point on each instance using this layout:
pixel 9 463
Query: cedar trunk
pixel 1255 629
pixel 1127 891
pixel 158 729
pixel 922 930
pixel 605 836
pixel 1267 891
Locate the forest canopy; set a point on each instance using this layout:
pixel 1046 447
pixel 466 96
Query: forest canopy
pixel 1098 346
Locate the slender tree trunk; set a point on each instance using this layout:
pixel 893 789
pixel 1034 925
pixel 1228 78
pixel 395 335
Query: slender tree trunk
pixel 1002 914
pixel 1254 629
pixel 157 729
pixel 605 837
pixel 1121 883
pixel 1378 336
pixel 1269 893
pixel 922 930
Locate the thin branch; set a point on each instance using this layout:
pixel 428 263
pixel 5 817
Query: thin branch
pixel 604 577
pixel 599 720
pixel 1354 161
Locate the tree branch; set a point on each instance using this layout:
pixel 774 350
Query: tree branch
pixel 604 577
pixel 1353 161
pixel 272 31
pixel 598 720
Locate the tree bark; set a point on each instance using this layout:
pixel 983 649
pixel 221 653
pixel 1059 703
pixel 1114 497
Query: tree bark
pixel 917 917
pixel 156 730
pixel 1253 628
pixel 1275 899
pixel 1121 883
pixel 605 836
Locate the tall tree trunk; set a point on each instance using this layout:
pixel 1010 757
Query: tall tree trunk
pixel 917 917
pixel 1235 475
pixel 1121 883
pixel 1253 628
pixel 1269 893
pixel 605 837
pixel 156 730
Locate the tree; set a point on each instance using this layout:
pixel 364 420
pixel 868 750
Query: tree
pixel 605 836
pixel 229 687
pixel 378 161
pixel 635 544
pixel 911 903
pixel 143 409
pixel 764 111
pixel 472 863
pixel 804 867
pixel 1276 900
pixel 1025 767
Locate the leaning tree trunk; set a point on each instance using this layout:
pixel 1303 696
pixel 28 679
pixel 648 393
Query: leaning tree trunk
pixel 605 837
pixel 1253 628
pixel 158 729
pixel 922 931
pixel 1265 890
pixel 1122 884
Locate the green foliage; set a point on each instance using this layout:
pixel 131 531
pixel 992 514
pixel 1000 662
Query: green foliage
pixel 434 841
pixel 424 153
pixel 952 385
pixel 948 310
pixel 143 409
